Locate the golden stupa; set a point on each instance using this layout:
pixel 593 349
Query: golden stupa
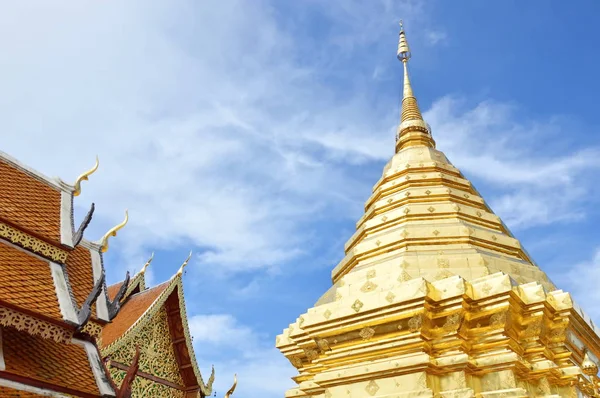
pixel 436 298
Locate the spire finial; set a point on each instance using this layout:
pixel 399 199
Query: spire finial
pixel 147 263
pixel 84 177
pixel 112 232
pixel 180 272
pixel 413 130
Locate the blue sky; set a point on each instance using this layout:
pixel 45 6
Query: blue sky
pixel 253 131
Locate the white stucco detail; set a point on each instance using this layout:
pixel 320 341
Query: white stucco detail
pixel 54 182
pixel 35 390
pixel 66 222
pixel 97 369
pixel 101 306
pixel 2 364
pixel 67 307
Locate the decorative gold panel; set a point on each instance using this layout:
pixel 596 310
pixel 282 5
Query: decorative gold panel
pixel 33 325
pixel 131 336
pixel 29 242
pixel 143 388
pixel 157 356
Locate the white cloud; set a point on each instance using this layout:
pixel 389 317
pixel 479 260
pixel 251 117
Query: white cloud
pixel 262 370
pixel 489 143
pixel 435 36
pixel 582 281
pixel 218 132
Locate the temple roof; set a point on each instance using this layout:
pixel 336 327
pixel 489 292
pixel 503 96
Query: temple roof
pixel 27 283
pixel 112 290
pixel 136 284
pixel 65 367
pixel 8 392
pixel 139 308
pixel 132 311
pixel 30 203
pixel 36 215
pixel 79 269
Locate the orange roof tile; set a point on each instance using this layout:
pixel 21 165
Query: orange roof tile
pixel 29 203
pixel 26 282
pixel 112 290
pixel 80 273
pixel 63 365
pixel 133 309
pixel 8 392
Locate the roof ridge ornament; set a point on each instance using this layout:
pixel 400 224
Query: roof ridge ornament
pixel 180 272
pixel 232 389
pixel 84 177
pixel 143 270
pixel 112 232
pixel 114 306
pixel 84 313
pixel 84 224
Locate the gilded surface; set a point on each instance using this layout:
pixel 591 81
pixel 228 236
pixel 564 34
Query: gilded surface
pixel 435 297
pixel 33 325
pixel 156 350
pixel 143 387
pixel 93 329
pixel 34 244
pixel 127 341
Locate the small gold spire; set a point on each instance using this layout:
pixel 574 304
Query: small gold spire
pixel 413 130
pixel 84 177
pixel 112 232
pixel 232 389
pixel 147 263
pixel 403 49
pixel 588 366
pixel 180 272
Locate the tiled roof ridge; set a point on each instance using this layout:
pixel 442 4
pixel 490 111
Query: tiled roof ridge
pixel 145 316
pixel 55 182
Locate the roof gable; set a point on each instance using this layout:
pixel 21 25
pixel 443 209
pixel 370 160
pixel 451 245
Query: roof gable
pixel 139 311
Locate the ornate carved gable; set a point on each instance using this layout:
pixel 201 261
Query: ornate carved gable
pixel 155 320
pixel 157 358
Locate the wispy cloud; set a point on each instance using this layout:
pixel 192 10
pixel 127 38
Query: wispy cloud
pixel 582 280
pixel 259 365
pixel 435 37
pixel 246 133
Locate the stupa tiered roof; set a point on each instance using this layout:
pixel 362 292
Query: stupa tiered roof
pixel 435 296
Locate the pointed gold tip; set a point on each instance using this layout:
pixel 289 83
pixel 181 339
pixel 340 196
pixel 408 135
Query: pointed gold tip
pixel 232 389
pixel 84 177
pixel 147 263
pixel 113 232
pixel 180 272
pixel 412 131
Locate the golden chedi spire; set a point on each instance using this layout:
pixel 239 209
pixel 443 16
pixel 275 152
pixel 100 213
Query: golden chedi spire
pixel 413 130
pixel 434 296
